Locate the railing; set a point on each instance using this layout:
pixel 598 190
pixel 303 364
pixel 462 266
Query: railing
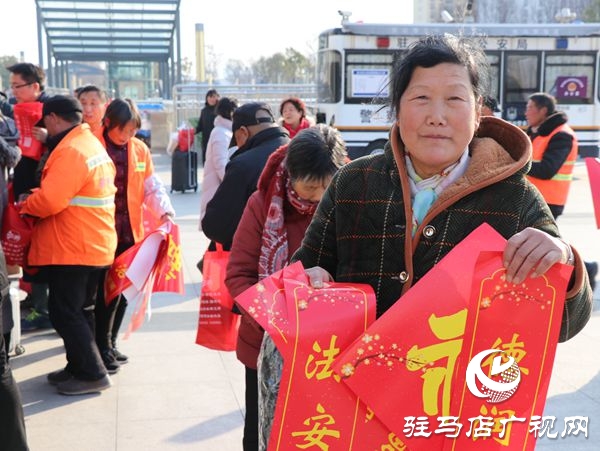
pixel 188 99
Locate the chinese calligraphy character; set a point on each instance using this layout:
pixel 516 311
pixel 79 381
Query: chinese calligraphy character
pixel 542 424
pixel 365 116
pixel 394 444
pixel 483 428
pixel 321 369
pixel 502 43
pixel 318 432
pixel 418 428
pixel 574 425
pixel 512 349
pixel 447 425
pixel 451 329
pixel 522 44
pixel 174 254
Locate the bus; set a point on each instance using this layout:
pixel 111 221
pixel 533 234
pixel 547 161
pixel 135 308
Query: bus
pixel 354 64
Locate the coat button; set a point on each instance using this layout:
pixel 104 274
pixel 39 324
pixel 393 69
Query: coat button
pixel 428 231
pixel 403 276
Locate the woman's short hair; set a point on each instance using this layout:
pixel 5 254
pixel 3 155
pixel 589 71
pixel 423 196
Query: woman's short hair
pixel 544 100
pixel 226 106
pixel 298 104
pixel 315 153
pixel 121 112
pixel 432 50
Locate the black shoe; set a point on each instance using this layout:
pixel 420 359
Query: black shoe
pixel 121 358
pixel 79 387
pixel 592 270
pixel 110 361
pixel 57 377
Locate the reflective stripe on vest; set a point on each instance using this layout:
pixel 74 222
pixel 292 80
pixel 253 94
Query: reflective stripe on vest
pixel 556 189
pixel 98 160
pixel 92 202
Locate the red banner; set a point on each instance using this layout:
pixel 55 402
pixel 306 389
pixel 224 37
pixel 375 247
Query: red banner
pixel 27 115
pixel 420 349
pixel 152 265
pixel 593 168
pixel 311 327
pixel 498 418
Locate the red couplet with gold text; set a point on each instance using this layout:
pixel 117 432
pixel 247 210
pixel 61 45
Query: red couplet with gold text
pixel 310 328
pixel 410 365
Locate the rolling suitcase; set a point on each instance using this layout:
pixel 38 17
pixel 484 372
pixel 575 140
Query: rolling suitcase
pixel 184 171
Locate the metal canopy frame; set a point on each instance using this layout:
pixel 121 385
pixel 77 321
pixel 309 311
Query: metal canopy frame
pixel 110 31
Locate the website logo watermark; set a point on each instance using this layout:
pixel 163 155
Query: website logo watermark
pixel 502 382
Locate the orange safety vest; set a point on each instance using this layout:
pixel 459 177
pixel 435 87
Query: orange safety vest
pixel 556 189
pixel 75 204
pixel 139 168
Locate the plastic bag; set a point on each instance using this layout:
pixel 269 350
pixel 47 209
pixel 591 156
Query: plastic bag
pixel 217 324
pixel 16 233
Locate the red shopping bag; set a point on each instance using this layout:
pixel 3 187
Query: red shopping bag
pixel 27 115
pixel 185 137
pixel 16 232
pixel 217 324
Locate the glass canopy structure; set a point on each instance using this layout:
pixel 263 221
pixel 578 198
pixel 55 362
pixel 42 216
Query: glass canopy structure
pixel 122 33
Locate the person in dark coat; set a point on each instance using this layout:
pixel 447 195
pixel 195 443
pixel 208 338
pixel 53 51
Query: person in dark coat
pixel 386 220
pixel 12 421
pixel 206 121
pixel 257 136
pixel 27 85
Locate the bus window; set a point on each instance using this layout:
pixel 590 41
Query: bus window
pixel 521 79
pixel 367 75
pixel 494 60
pixel 329 81
pixel 570 77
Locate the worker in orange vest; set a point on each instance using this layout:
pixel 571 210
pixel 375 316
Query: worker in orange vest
pixel 74 239
pixel 554 155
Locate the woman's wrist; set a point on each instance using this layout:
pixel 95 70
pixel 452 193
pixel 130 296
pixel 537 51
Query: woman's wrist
pixel 568 254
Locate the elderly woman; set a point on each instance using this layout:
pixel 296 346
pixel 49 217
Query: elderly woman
pixel 271 229
pixel 446 168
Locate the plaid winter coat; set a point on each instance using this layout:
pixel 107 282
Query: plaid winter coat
pixel 361 231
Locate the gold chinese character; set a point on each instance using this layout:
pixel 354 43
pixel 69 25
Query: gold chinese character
pixel 321 369
pixel 513 349
pixel 319 430
pixel 449 328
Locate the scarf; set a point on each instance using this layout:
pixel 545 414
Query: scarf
pixel 274 244
pixel 424 192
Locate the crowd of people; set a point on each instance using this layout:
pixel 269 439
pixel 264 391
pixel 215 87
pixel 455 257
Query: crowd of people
pixel 280 190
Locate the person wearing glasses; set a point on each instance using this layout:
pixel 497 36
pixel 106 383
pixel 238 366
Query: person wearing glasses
pixel 26 82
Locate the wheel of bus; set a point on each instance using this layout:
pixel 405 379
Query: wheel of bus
pixel 375 147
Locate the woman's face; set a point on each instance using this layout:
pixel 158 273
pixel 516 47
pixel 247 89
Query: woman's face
pixel 291 115
pixel 311 190
pixel 121 136
pixel 437 116
pixel 212 99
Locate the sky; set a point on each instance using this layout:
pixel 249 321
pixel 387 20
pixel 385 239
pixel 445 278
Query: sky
pixel 235 29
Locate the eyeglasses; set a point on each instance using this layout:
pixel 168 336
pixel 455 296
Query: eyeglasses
pixel 22 85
